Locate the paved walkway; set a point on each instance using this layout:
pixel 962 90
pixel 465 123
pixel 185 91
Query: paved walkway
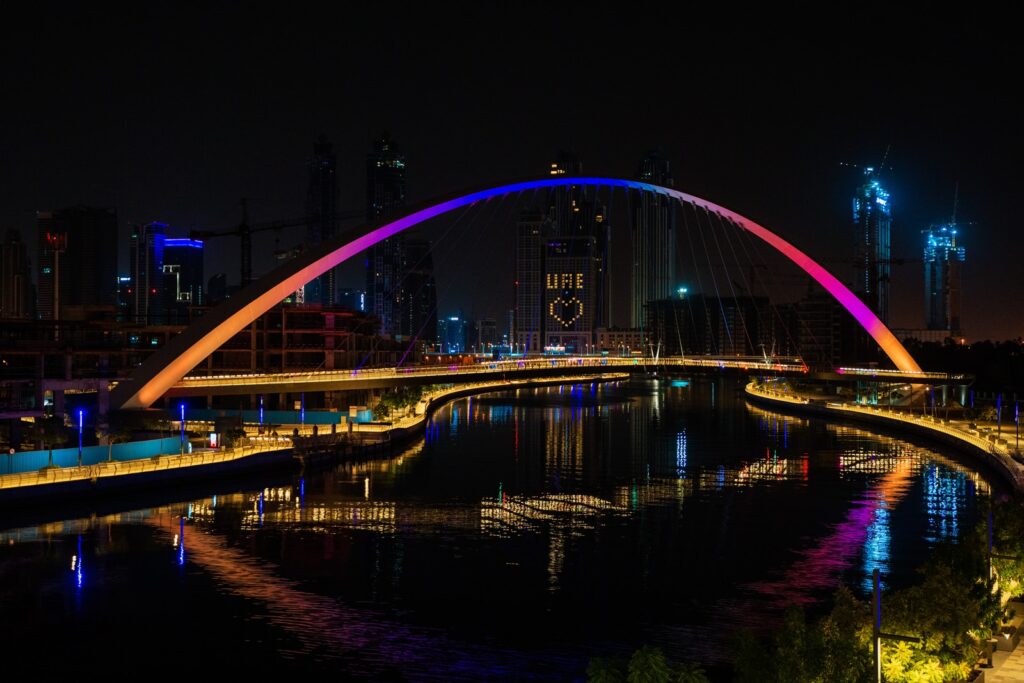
pixel 1008 667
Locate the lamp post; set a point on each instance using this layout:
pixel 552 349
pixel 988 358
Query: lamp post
pixel 261 410
pixel 81 420
pixel 182 407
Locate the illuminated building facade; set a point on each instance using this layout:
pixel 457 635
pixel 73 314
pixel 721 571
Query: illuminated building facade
pixel 576 211
pixel 872 223
pixel 454 334
pixel 182 278
pixel 943 268
pixel 77 259
pixel 385 197
pixel 655 218
pixel 321 216
pixel 569 293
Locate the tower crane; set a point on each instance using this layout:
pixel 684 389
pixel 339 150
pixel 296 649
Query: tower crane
pixel 244 232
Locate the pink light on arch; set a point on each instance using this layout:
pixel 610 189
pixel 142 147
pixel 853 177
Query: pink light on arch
pixel 183 353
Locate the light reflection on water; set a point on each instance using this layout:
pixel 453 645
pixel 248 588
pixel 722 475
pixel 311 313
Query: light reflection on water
pixel 605 516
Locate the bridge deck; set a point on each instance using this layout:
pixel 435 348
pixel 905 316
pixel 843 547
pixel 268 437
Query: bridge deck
pixel 342 380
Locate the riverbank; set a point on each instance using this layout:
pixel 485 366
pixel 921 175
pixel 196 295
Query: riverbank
pixel 988 448
pixel 262 453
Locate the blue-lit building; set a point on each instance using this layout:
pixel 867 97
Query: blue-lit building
pixel 943 267
pixel 872 223
pixel 352 299
pixel 182 278
pixel 454 334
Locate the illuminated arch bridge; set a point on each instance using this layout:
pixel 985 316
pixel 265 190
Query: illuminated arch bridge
pixel 166 367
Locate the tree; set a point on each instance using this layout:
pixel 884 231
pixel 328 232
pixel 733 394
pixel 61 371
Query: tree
pixel 648 665
pixel 601 670
pixel 114 431
pixel 689 672
pixel 49 432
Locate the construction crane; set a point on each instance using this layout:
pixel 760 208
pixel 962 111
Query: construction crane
pixel 244 232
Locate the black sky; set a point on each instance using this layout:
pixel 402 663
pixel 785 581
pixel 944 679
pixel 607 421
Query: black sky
pixel 173 113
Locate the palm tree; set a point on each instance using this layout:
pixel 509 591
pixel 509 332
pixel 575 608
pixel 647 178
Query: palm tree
pixel 689 672
pixel 112 434
pixel 49 432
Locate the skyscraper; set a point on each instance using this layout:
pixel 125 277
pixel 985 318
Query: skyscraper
pixel 655 219
pixel 417 292
pixel 872 223
pixel 385 194
pixel 532 231
pixel 15 278
pixel 570 290
pixel 943 266
pixel 575 211
pixel 146 256
pixel 322 213
pixel 77 259
pixel 182 278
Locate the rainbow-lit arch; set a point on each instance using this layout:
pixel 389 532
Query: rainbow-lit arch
pixel 168 365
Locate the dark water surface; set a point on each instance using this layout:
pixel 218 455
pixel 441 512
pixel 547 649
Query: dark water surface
pixel 527 532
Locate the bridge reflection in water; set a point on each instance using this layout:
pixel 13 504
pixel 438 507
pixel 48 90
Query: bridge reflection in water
pixel 569 475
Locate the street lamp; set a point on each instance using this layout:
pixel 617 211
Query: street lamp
pixel 182 407
pixel 81 419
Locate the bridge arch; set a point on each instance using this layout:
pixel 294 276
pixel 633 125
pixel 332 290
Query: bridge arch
pixel 184 352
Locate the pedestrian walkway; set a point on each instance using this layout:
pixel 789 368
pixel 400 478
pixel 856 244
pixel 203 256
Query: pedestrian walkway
pixel 1009 666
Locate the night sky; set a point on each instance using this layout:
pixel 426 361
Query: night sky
pixel 173 115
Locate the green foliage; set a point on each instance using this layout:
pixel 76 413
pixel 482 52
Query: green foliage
pixel 753 662
pixel 397 400
pixel 648 665
pixel 601 670
pixel 235 438
pixel 50 432
pixel 846 640
pixel 689 672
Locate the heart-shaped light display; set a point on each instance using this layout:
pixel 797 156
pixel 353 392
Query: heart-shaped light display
pixel 565 311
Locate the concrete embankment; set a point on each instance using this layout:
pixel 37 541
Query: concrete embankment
pixel 988 449
pixel 264 454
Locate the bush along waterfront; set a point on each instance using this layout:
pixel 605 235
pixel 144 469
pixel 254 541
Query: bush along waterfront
pixel 953 612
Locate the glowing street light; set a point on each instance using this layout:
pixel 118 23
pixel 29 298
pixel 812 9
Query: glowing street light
pixel 182 407
pixel 81 420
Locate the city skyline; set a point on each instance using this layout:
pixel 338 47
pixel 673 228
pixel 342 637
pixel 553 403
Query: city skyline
pixel 789 174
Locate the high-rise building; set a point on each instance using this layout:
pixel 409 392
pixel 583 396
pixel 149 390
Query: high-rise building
pixel 454 334
pixel 943 267
pixel 486 334
pixel 570 293
pixel 77 259
pixel 146 260
pixel 182 278
pixel 217 288
pixel 532 232
pixel 872 222
pixel 352 299
pixel 15 278
pixel 710 325
pixel 321 215
pixel 417 292
pixel 385 194
pixel 574 211
pixel 655 219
